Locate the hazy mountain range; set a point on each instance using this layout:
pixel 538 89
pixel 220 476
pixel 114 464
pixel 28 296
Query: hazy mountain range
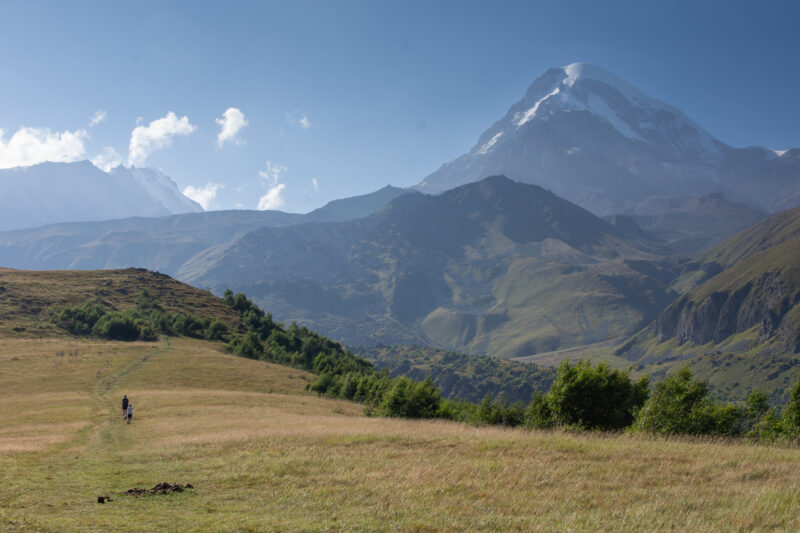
pixel 64 192
pixel 589 238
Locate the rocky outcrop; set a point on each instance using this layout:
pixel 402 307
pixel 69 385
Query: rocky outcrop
pixel 719 315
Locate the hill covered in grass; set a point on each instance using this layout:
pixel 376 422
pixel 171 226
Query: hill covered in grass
pixel 29 298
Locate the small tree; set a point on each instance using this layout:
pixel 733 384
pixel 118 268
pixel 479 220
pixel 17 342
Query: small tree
pixel 217 330
pixel 680 405
pixel 792 414
pixel 595 397
pixel 409 399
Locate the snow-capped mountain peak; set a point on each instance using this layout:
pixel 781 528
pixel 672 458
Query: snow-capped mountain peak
pixel 592 137
pixel 628 111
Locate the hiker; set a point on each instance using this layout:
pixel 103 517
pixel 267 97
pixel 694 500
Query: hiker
pixel 130 412
pixel 124 406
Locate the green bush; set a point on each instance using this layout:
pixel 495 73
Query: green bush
pixel 680 405
pixel 246 346
pixel 410 399
pixel 538 414
pixel 595 397
pixel 216 330
pixel 79 320
pixel 792 413
pixel 118 327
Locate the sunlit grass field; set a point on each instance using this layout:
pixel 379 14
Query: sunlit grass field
pixel 263 455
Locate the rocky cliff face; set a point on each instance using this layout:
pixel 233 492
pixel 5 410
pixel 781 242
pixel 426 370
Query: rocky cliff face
pixel 765 302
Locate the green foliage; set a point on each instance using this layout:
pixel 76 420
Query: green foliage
pixel 217 330
pixel 79 320
pixel 463 376
pixel 680 405
pixel 538 414
pixel 124 326
pixel 144 322
pixel 792 414
pixel 410 399
pixel 675 405
pixel 595 397
pixel 247 345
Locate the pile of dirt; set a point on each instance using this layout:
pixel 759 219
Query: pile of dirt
pixel 161 488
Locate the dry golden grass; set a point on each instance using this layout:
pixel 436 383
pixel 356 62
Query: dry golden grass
pixel 26 296
pixel 286 461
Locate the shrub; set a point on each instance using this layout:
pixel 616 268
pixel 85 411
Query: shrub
pixel 246 346
pixel 410 399
pixel 595 397
pixel 680 405
pixel 117 326
pixel 792 414
pixel 538 414
pixel 79 320
pixel 217 330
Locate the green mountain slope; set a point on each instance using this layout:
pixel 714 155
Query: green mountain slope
pixel 492 267
pixel 743 323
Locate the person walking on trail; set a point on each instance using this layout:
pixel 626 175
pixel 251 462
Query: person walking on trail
pixel 129 413
pixel 124 406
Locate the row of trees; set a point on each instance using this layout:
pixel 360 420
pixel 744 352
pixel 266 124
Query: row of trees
pixel 340 373
pixel 144 322
pixel 582 396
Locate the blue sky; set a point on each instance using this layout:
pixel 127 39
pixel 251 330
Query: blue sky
pixel 357 95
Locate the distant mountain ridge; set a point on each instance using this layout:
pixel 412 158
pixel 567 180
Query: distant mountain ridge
pixel 176 244
pixel 66 192
pixel 595 140
pixel 491 267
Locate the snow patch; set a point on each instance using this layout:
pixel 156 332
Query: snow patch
pixel 522 118
pixel 488 146
pixel 601 109
pixel 779 153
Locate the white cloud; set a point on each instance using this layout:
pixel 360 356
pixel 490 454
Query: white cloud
pixel 107 159
pixel 272 175
pixel 29 146
pixel 315 184
pixel 231 122
pixel 202 195
pixel 156 135
pixel 273 198
pixel 98 117
pixel 299 119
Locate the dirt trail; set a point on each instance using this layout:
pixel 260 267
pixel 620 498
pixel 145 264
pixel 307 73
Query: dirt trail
pixel 107 383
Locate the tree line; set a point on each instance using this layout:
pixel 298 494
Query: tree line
pixel 582 395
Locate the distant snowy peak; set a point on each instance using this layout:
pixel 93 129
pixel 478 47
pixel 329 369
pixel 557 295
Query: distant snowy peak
pixel 50 193
pixel 160 187
pixel 631 113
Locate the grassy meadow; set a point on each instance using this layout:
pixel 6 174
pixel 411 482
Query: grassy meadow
pixel 263 455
